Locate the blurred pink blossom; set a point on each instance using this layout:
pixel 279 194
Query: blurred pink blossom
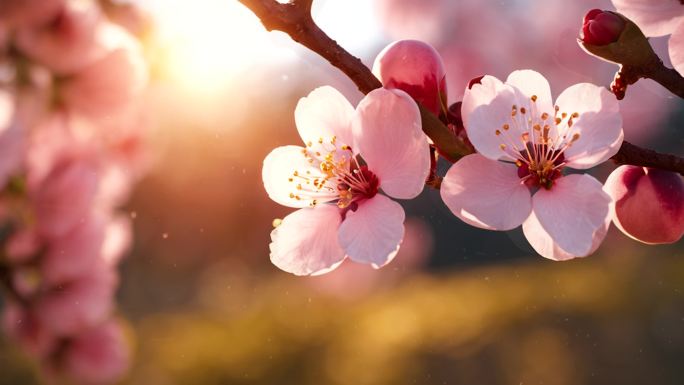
pixel 69 308
pixel 69 42
pixel 20 13
pixel 648 204
pixel 100 355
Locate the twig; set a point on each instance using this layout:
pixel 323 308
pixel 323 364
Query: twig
pixel 295 19
pixel 654 70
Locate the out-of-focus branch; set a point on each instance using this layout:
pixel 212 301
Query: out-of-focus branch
pixel 637 156
pixel 294 18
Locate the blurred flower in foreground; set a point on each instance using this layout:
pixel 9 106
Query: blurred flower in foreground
pixel 363 225
pixel 659 18
pixel 648 203
pixel 416 68
pixel 69 135
pixel 524 142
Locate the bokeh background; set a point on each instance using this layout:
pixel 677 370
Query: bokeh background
pixel 457 306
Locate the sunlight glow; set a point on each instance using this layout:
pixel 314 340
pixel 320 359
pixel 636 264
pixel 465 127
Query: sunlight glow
pixel 206 46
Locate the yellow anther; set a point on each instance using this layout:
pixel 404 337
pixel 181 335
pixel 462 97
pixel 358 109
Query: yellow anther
pixel 320 140
pixel 575 115
pixel 544 116
pixel 497 132
pixel 308 144
pixel 327 168
pixel 502 146
pixel 276 222
pixel 534 98
pixel 525 137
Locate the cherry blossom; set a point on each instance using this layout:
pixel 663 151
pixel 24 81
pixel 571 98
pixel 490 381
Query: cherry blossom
pixel 524 142
pixel 659 18
pixel 342 212
pixel 648 204
pixel 416 68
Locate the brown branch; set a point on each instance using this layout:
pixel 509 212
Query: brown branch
pixel 654 70
pixel 637 156
pixel 295 19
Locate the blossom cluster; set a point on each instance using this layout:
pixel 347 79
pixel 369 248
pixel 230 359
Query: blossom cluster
pixel 525 145
pixel 71 147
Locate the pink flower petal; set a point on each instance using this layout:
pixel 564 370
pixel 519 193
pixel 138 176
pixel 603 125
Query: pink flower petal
pixel 654 17
pixel 325 113
pixel 543 244
pixel 571 213
pixel 387 131
pixel 486 193
pixel 486 109
pixel 373 232
pixel 281 183
pixel 75 253
pixel 531 83
pixel 599 125
pixel 69 308
pixel 100 355
pixel 479 93
pixel 67 44
pixel 305 242
pixel 676 48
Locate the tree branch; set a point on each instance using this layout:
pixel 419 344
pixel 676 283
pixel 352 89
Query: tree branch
pixel 654 70
pixel 295 19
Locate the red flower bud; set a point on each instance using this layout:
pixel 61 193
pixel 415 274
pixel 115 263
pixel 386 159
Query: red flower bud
pixel 416 68
pixel 648 203
pixel 601 27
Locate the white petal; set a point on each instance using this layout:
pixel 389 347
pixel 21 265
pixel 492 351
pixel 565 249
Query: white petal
pixel 373 232
pixel 280 166
pixel 479 94
pixel 599 125
pixel 387 132
pixel 571 213
pixel 531 83
pixel 543 244
pixel 324 113
pixel 654 17
pixel 487 118
pixel 486 193
pixel 676 48
pixel 306 242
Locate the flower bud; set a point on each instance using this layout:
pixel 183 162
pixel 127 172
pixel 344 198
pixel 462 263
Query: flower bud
pixel 416 68
pixel 611 36
pixel 601 27
pixel 648 204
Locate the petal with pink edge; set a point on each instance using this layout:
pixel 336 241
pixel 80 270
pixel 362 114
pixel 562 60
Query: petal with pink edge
pixel 543 244
pixel 598 127
pixel 654 17
pixel 305 242
pixel 388 134
pixel 486 193
pixel 571 214
pixel 676 48
pixel 323 114
pixel 278 176
pixel 490 127
pixel 530 83
pixel 372 234
pixel 479 93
